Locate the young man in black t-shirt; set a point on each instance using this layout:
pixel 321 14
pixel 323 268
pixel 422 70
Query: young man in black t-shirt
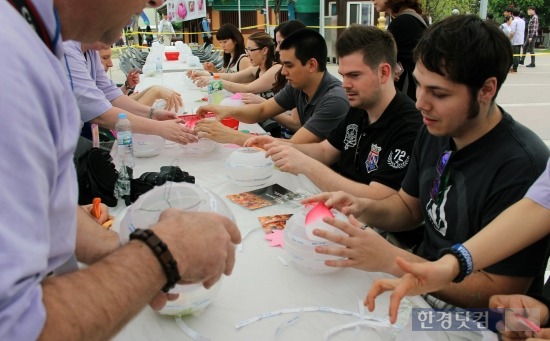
pixel 372 145
pixel 470 162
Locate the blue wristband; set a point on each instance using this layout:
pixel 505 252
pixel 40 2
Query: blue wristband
pixel 465 260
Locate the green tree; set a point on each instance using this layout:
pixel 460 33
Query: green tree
pixel 440 9
pixel 543 8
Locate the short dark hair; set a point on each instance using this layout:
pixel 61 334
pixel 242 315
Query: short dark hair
pixel 229 31
pixel 466 50
pixel 376 45
pixel 490 16
pixel 533 8
pixel 515 12
pixel 397 5
pixel 307 44
pixel 288 27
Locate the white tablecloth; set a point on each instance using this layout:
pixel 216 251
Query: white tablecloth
pixel 261 283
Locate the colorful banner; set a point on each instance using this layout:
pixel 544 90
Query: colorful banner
pixel 183 10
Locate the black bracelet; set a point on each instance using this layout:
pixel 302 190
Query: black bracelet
pixel 159 248
pixel 464 258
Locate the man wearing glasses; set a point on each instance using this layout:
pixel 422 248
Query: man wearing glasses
pixel 317 95
pixel 470 162
pixel 372 145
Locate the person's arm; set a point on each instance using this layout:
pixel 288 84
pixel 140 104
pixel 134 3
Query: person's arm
pixel 291 122
pixel 243 76
pixel 216 131
pixel 502 231
pixel 102 298
pixel 365 249
pixel 263 83
pixel 170 129
pixel 251 113
pixel 148 97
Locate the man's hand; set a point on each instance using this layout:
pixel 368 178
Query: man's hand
pixel 203 244
pixel 104 213
pixel 342 201
pixel 420 278
pixel 175 131
pixel 259 141
pixel 216 131
pixel 287 158
pixel 362 249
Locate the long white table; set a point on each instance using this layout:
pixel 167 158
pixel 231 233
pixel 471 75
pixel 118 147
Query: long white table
pixel 262 283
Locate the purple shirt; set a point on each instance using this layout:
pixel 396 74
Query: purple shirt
pixel 539 192
pixel 94 91
pixel 40 126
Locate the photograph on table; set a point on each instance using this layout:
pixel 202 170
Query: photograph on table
pixel 272 223
pixel 263 197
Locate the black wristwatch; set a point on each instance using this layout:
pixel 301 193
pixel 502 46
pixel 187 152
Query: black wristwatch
pixel 164 256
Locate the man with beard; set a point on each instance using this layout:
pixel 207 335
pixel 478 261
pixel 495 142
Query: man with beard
pixel 469 163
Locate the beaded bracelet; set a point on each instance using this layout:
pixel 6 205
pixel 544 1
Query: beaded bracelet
pixel 164 256
pixel 464 258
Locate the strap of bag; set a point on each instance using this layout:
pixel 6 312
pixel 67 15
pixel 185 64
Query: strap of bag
pixel 416 15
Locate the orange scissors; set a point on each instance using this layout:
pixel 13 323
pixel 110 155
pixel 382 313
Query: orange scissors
pixel 96 212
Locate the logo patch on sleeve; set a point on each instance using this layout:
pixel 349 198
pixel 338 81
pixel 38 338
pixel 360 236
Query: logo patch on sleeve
pixel 398 159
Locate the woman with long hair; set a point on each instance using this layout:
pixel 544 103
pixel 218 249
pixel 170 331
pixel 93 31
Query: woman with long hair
pixel 234 54
pixel 259 78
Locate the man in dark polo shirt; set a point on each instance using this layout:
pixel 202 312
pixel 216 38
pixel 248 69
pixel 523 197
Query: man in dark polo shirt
pixel 317 95
pixel 372 145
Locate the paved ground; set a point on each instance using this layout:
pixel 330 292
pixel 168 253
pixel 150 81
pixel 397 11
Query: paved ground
pixel 525 95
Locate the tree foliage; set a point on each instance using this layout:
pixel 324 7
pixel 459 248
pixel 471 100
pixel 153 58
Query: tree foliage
pixel 440 9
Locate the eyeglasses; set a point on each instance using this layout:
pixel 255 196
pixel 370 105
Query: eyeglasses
pixel 247 50
pixel 442 172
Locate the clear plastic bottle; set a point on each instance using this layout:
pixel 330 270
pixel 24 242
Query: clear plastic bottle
pixel 215 91
pixel 124 141
pixel 158 65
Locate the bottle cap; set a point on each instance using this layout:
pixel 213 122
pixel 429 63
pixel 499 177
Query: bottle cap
pixel 122 115
pixel 216 76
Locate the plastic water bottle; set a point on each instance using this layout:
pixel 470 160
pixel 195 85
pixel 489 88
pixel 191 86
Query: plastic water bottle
pixel 158 65
pixel 215 91
pixel 124 141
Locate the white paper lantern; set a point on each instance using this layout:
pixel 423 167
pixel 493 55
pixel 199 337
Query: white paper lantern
pixel 202 146
pixel 145 213
pixel 147 145
pixel 249 167
pixel 301 249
